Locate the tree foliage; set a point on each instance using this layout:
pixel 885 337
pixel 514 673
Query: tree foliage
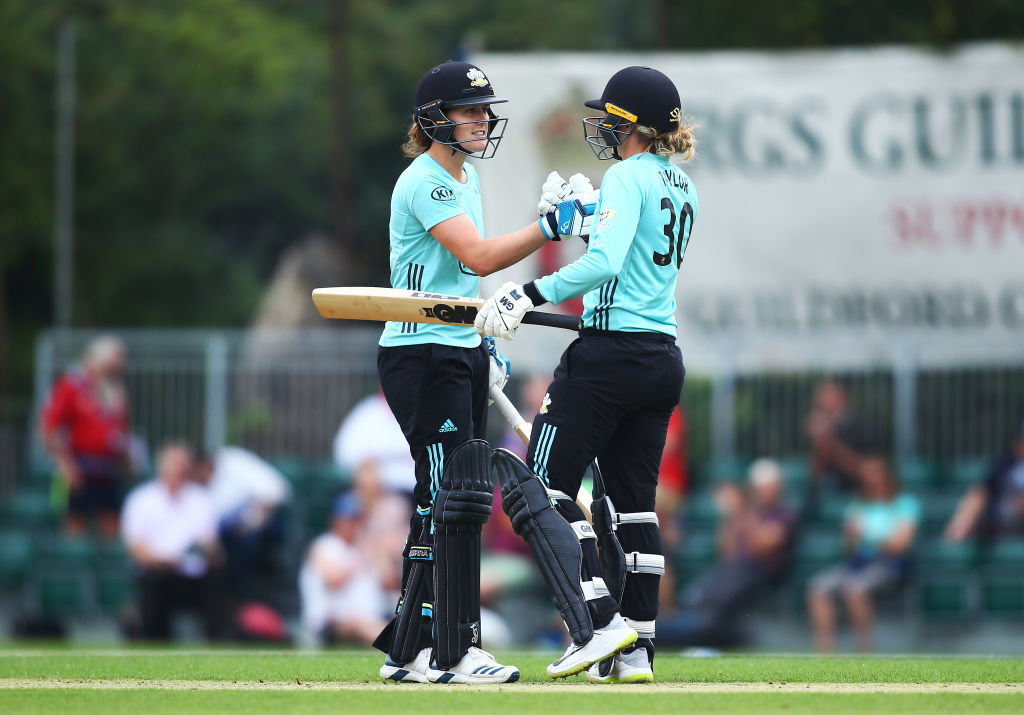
pixel 203 127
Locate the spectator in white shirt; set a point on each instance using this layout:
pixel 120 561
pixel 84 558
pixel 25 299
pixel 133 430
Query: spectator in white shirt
pixel 170 529
pixel 248 496
pixel 343 598
pixel 371 441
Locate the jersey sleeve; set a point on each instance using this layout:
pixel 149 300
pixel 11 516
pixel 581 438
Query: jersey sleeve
pixel 134 518
pixel 908 509
pixel 431 202
pixel 618 214
pixel 58 407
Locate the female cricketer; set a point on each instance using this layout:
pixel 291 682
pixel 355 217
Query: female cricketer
pixel 616 385
pixel 436 377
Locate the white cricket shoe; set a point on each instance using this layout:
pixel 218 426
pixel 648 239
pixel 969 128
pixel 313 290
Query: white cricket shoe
pixel 414 672
pixel 477 666
pixel 605 642
pixel 633 666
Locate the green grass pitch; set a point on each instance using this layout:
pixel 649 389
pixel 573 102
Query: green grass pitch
pixel 243 681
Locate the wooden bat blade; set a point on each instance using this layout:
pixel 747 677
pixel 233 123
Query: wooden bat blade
pixel 409 306
pixel 414 306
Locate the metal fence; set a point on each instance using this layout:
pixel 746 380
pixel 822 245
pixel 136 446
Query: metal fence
pixel 278 393
pixel 285 393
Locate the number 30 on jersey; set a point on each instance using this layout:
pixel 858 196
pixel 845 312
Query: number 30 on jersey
pixel 676 244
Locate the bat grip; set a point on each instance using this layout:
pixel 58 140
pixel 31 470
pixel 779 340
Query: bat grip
pixel 553 320
pixel 508 410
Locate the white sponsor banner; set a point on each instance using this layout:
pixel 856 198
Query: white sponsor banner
pixel 854 204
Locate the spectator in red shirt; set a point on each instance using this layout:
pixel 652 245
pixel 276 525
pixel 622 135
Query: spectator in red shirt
pixel 85 429
pixel 673 484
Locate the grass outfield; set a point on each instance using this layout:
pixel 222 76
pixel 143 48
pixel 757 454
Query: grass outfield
pixel 83 681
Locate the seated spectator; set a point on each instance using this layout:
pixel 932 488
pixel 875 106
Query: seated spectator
pixel 879 530
pixel 170 531
pixel 248 497
pixel 343 599
pixel 836 441
pixel 371 440
pixel 755 539
pixel 85 429
pixel 994 508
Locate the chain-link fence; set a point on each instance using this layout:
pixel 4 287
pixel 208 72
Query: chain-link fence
pixel 284 394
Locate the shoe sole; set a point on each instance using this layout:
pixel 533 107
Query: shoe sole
pixel 577 669
pixel 637 678
pixel 402 675
pixel 459 679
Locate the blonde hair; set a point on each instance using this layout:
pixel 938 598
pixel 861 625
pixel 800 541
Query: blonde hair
pixel 418 141
pixel 678 141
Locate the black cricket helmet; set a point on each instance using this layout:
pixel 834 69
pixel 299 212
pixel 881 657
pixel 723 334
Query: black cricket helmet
pixel 635 95
pixel 456 84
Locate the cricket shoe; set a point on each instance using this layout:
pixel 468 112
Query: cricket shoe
pixel 605 643
pixel 633 665
pixel 414 672
pixel 477 666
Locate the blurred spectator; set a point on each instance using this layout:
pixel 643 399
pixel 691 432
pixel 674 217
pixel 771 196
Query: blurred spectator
pixel 755 545
pixel 370 440
pixel 879 530
pixel 85 429
pixel 342 597
pixel 836 441
pixel 248 496
pixel 673 484
pixel 994 508
pixel 170 529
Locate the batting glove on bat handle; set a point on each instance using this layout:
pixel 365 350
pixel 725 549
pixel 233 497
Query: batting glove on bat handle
pixel 502 313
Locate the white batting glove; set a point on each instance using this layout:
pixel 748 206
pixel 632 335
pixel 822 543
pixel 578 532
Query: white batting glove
pixel 502 312
pixel 584 192
pixel 572 217
pixel 580 184
pixel 553 190
pixel 499 365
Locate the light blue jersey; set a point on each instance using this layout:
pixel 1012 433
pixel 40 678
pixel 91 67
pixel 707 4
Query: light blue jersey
pixel 628 274
pixel 424 196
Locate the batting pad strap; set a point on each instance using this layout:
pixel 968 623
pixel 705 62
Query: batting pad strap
pixel 645 563
pixel 554 495
pixel 635 517
pixel 594 589
pixel 583 530
pixel 645 629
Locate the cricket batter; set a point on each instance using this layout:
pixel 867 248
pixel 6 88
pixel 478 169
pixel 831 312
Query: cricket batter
pixel 616 385
pixel 436 377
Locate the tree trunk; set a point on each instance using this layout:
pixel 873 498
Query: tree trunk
pixel 340 167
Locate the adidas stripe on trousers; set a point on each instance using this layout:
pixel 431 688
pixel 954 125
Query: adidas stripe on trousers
pixel 438 394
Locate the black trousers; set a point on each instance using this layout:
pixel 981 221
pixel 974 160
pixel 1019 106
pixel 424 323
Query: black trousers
pixel 611 398
pixel 438 394
pixel 163 592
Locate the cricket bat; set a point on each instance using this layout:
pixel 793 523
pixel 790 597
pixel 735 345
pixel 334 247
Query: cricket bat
pixel 415 306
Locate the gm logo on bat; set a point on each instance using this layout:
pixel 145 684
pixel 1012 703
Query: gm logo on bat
pixel 464 314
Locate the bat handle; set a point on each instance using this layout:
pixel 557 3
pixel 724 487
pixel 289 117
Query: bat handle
pixel 511 414
pixel 553 320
